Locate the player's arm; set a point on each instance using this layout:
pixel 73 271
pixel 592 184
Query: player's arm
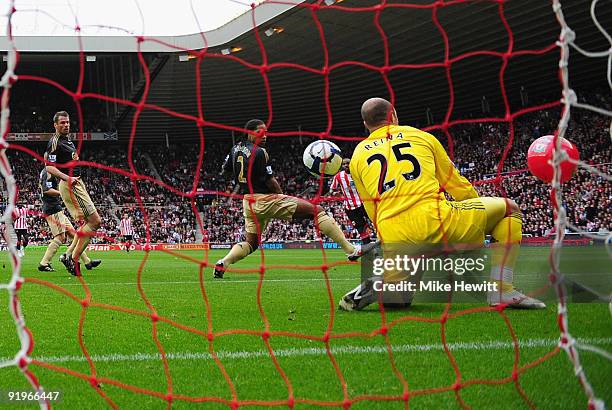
pixel 51 192
pixel 333 187
pixel 449 177
pixel 46 187
pixel 50 159
pixel 226 168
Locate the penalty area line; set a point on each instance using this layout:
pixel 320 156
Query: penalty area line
pixel 208 282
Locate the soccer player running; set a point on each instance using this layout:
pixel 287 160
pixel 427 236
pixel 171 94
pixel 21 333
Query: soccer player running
pixel 126 231
pixel 401 173
pixel 58 223
pixel 21 229
pixel 352 202
pixel 61 150
pixel 264 200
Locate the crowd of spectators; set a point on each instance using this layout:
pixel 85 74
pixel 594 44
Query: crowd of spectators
pixel 36 115
pixel 477 151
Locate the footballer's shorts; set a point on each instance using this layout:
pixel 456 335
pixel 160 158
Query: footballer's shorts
pixel 21 233
pixel 429 229
pixel 258 209
pixel 77 200
pixel 445 222
pixel 58 223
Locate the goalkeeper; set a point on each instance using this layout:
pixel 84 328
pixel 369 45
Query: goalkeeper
pixel 401 174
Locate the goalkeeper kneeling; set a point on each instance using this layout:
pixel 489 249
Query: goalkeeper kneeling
pixel 402 175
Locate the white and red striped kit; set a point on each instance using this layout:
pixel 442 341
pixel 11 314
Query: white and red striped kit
pixel 351 197
pixel 125 227
pixel 21 221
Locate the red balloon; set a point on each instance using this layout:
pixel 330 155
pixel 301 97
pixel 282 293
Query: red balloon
pixel 539 158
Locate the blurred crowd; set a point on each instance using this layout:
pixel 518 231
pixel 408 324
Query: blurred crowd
pixel 36 116
pixel 171 198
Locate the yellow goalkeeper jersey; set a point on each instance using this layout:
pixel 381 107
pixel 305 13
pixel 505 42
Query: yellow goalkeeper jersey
pixel 398 167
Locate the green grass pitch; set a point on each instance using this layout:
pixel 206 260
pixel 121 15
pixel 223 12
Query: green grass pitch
pixel 292 301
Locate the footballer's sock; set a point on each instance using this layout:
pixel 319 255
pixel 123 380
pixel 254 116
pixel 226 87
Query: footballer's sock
pixel 82 241
pixel 330 228
pixel 51 250
pixel 508 233
pixel 239 251
pixel 84 258
pixel 18 245
pixel 72 245
pixel 365 236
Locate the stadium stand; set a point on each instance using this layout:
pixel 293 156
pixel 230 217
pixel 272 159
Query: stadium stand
pixel 477 150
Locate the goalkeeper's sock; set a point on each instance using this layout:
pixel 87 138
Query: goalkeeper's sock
pixel 238 252
pixel 51 250
pixel 330 228
pixel 508 233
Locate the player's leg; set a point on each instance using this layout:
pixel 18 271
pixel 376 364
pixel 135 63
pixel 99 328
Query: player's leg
pixel 238 252
pixel 64 258
pixel 330 228
pixel 327 225
pixel 504 223
pixel 359 219
pixel 84 234
pixel 26 240
pixel 371 289
pixel 254 221
pixel 52 248
pixel 259 209
pixel 19 239
pixel 58 230
pixel 81 207
pixel 73 242
pixel 89 263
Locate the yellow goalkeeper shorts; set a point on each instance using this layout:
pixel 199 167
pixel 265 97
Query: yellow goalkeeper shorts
pixel 458 222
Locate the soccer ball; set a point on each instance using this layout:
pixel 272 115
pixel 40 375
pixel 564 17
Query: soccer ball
pixel 539 158
pixel 323 158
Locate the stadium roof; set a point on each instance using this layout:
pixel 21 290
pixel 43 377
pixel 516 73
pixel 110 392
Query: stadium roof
pixel 50 27
pixel 234 90
pixel 120 17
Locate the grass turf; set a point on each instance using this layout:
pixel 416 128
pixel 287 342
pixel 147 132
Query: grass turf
pixel 293 301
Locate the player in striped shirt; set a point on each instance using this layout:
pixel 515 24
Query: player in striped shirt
pixel 126 231
pixel 352 202
pixel 21 228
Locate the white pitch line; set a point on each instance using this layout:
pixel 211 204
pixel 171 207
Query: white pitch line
pixel 208 282
pixel 524 278
pixel 314 351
